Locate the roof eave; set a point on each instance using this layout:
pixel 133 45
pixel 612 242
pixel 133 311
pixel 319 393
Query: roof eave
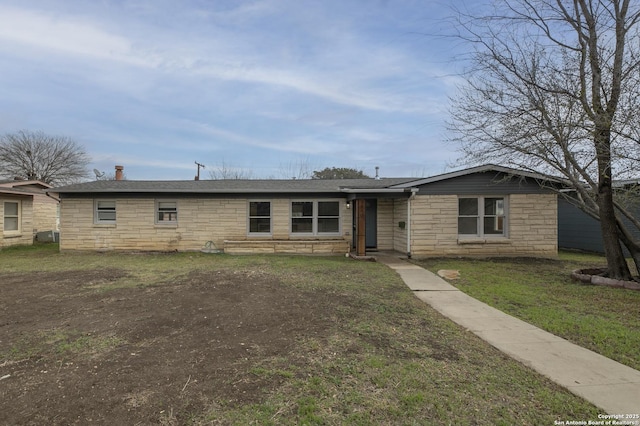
pixel 378 191
pixel 12 191
pixel 174 191
pixel 480 169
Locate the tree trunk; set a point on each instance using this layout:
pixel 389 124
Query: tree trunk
pixel 632 246
pixel 616 263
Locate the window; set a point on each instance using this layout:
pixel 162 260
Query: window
pixel 328 217
pixel 493 216
pixel 468 216
pixel 302 217
pixel 315 217
pixel 166 212
pixel 105 211
pixel 260 217
pixel 11 216
pixel 482 216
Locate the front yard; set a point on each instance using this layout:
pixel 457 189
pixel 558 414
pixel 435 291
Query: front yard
pixel 192 338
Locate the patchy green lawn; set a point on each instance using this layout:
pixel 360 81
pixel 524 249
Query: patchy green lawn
pixel 605 320
pixel 192 338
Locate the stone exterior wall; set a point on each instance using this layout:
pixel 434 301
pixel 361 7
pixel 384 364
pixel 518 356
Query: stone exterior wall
pixel 399 234
pixel 224 222
pixel 326 247
pixel 532 228
pixel 385 224
pixel 24 236
pixel 45 214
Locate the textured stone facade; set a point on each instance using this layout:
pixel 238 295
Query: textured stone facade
pixel 385 228
pixel 45 214
pixel 223 222
pixel 400 225
pixel 326 247
pixel 432 223
pixel 532 228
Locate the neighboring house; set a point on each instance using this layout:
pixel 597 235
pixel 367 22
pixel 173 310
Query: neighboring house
pixel 579 231
pixel 486 211
pixel 25 211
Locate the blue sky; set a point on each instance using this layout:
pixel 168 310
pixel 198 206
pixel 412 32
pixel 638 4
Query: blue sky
pixel 263 87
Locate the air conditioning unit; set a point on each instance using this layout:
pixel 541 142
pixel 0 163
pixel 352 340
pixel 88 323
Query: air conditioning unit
pixel 48 237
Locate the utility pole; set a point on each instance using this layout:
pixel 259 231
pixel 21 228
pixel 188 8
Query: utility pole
pixel 199 166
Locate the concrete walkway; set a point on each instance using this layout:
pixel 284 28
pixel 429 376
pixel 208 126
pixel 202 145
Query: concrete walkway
pixel 609 385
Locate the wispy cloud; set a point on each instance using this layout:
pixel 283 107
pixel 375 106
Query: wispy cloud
pixel 82 37
pixel 65 35
pixel 274 79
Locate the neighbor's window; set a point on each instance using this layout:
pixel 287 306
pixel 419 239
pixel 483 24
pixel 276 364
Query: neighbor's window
pixel 11 216
pixel 105 211
pixel 482 216
pixel 166 212
pixel 260 217
pixel 315 217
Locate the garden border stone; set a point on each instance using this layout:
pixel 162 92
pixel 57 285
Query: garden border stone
pixel 595 276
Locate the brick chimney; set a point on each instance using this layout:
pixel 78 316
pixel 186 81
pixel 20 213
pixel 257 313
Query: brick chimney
pixel 119 173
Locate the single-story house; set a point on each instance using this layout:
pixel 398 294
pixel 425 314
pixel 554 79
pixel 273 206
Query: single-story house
pixel 25 210
pixel 486 211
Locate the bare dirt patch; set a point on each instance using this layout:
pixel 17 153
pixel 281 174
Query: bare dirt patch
pixel 74 351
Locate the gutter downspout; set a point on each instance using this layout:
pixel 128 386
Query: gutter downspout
pixel 51 196
pixel 413 194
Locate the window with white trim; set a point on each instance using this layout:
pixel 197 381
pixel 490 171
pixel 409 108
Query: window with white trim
pixel 105 211
pixel 166 212
pixel 482 216
pixel 260 217
pixel 12 216
pixel 315 217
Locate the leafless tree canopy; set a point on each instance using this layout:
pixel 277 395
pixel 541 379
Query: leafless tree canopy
pixel 301 168
pixel 225 171
pixel 56 160
pixel 554 86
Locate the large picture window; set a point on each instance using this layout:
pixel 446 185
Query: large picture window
pixel 482 216
pixel 315 217
pixel 11 216
pixel 260 217
pixel 105 211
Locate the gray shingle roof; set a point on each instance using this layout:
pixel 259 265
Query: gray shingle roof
pixel 275 186
pixel 479 169
pixel 19 191
pixel 230 186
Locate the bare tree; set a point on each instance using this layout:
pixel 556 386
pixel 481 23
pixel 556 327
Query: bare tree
pixel 56 160
pixel 553 87
pixel 298 169
pixel 225 171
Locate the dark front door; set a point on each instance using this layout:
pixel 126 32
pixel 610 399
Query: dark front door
pixel 371 223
